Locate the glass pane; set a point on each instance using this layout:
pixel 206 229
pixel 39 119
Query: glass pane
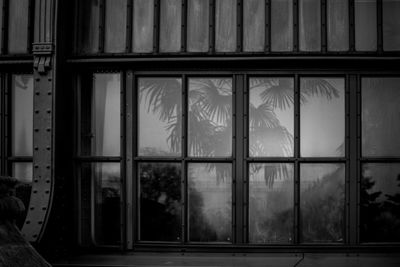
pixel 365 24
pixel 1 24
pixel 271 117
pixel 322 196
pixel 254 25
pixel 22 115
pixel 143 21
pixel 322 117
pixel 210 202
pixel 380 201
pixel 115 30
pixel 225 30
pixel 88 26
pixel 170 25
pixel 18 26
pixel 160 201
pixel 391 25
pixel 310 25
pixel 160 116
pixel 281 25
pixel 338 25
pixel 22 171
pixel 100 113
pixel 380 117
pixel 100 204
pixel 210 117
pixel 271 203
pixel 198 21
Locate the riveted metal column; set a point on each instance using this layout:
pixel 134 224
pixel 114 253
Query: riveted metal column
pixel 42 186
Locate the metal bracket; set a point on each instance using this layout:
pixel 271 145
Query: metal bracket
pixel 42 57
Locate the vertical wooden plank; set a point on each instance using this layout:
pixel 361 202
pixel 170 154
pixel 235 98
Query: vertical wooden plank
pixel 338 25
pixel 225 25
pixel 143 24
pixel 281 25
pixel 254 25
pixel 170 25
pixel 18 26
pixel 115 26
pixel 197 25
pixel 88 26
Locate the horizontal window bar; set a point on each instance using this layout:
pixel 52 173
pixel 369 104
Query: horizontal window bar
pixel 98 159
pixel 189 159
pixel 317 160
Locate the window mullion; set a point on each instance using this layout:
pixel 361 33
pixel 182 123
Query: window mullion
pixel 353 167
pixel 239 177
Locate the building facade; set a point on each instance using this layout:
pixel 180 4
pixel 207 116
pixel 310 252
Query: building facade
pixel 203 125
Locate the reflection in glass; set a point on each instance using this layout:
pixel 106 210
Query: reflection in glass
pixel 210 117
pixel 380 202
pixel 380 117
pixel 143 19
pixel 338 25
pixel 160 201
pixel 271 203
pixel 105 115
pixel 282 25
pixel 271 117
pixel 100 204
pixel 18 26
pixel 253 25
pixel 310 25
pixel 365 25
pixel 322 196
pixel 391 25
pixel 322 117
pixel 160 119
pixel 197 25
pixel 22 115
pixel 225 25
pixel 210 202
pixel 22 171
pixel 170 25
pixel 88 26
pixel 115 26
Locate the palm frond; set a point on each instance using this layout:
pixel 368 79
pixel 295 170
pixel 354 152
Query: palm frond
pixel 279 95
pixel 262 117
pixel 318 87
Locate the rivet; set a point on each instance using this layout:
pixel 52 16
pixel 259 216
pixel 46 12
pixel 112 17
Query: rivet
pixel 49 92
pixel 49 79
pixel 44 208
pixel 48 148
pixel 32 208
pixel 36 180
pixel 36 166
pixel 48 181
pixel 34 191
pixel 48 129
pixel 36 111
pixel 48 167
pixel 40 222
pixel 28 222
pixel 37 79
pixel 36 148
pixel 36 130
pixel 48 111
pixel 47 191
pixel 35 236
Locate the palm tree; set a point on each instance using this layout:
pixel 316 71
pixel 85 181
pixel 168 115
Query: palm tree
pixel 210 115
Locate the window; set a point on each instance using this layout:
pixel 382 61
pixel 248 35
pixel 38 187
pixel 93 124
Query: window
pixel 98 159
pixel 17 131
pixel 222 158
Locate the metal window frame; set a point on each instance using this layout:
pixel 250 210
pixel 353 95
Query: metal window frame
pixel 240 159
pixel 85 82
